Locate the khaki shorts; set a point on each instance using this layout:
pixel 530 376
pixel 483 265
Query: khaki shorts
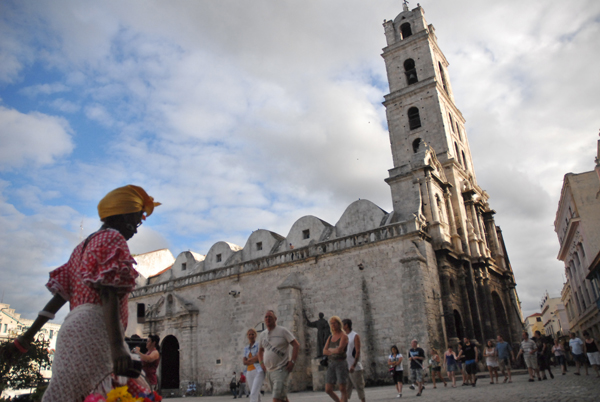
pixel 357 381
pixel 504 363
pixel 278 380
pixel 531 361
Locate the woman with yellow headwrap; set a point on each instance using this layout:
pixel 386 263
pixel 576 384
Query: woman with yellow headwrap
pixel 96 282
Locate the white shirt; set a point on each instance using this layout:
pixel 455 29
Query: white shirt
pixel 576 346
pixel 396 358
pixel 276 344
pixel 351 353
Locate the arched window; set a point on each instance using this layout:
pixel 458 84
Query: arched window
pixel 410 71
pixel 416 143
pixel 464 160
pixel 457 153
pixel 405 30
pixel 443 77
pixel 414 119
pixel 451 122
pixel 458 132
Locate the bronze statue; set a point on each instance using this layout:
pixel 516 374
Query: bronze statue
pixel 323 331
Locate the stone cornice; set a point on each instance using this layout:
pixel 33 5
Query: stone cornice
pixel 314 251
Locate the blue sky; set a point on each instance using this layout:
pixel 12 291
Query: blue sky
pixel 244 115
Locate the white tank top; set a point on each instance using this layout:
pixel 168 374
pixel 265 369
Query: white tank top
pixel 351 353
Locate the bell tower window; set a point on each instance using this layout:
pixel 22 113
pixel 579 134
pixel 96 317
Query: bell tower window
pixel 414 119
pixel 410 71
pixel 405 30
pixel 457 153
pixel 415 145
pixel 451 122
pixel 443 75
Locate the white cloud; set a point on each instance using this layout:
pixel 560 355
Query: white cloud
pixel 32 138
pixel 65 106
pixel 44 89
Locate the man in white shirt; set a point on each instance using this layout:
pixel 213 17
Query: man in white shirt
pixel 273 356
pixel 355 367
pixel 529 350
pixel 576 346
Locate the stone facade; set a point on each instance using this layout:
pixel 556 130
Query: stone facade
pixel 577 226
pixel 435 268
pixel 554 316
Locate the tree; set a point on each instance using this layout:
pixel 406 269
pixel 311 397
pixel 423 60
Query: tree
pixel 22 371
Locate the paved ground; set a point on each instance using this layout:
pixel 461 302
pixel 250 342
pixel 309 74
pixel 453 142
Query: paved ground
pixel 563 388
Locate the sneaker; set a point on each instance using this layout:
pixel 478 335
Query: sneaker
pixel 531 380
pixel 419 394
pixel 399 396
pixel 411 386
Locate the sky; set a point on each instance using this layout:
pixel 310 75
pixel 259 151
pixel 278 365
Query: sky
pixel 240 115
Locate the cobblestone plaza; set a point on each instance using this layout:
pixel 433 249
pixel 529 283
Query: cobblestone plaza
pixel 563 388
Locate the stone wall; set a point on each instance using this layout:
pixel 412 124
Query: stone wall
pixel 388 288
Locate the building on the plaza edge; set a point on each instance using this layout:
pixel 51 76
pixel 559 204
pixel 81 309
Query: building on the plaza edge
pixel 13 325
pixel 577 225
pixel 534 323
pixel 554 316
pixel 435 268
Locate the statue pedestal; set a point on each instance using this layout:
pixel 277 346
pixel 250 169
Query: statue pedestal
pixel 318 374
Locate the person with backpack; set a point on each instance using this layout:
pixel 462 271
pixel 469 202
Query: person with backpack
pixel 416 356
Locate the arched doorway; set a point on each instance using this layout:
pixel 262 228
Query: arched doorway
pixel 460 330
pixel 501 319
pixel 169 363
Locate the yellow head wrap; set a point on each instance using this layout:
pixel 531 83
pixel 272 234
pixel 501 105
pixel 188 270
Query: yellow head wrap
pixel 126 200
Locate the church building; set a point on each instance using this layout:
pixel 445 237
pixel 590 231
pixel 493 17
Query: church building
pixel 435 268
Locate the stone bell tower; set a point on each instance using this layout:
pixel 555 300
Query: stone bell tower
pixel 433 181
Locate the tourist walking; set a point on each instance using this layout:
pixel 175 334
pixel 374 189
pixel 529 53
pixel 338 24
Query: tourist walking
pixel 491 360
pixel 96 281
pixel 528 350
pixel 505 356
pixel 436 367
pixel 576 346
pixel 416 356
pixel 559 355
pixel 355 368
pixel 591 348
pixel 450 363
pixel 337 369
pixel 396 369
pixel 233 383
pixel 471 359
pixel 150 360
pixel 242 386
pixel 255 372
pixel 543 355
pixel 273 354
pixel 460 361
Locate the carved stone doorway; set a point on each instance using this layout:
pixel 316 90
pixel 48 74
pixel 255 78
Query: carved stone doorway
pixel 169 363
